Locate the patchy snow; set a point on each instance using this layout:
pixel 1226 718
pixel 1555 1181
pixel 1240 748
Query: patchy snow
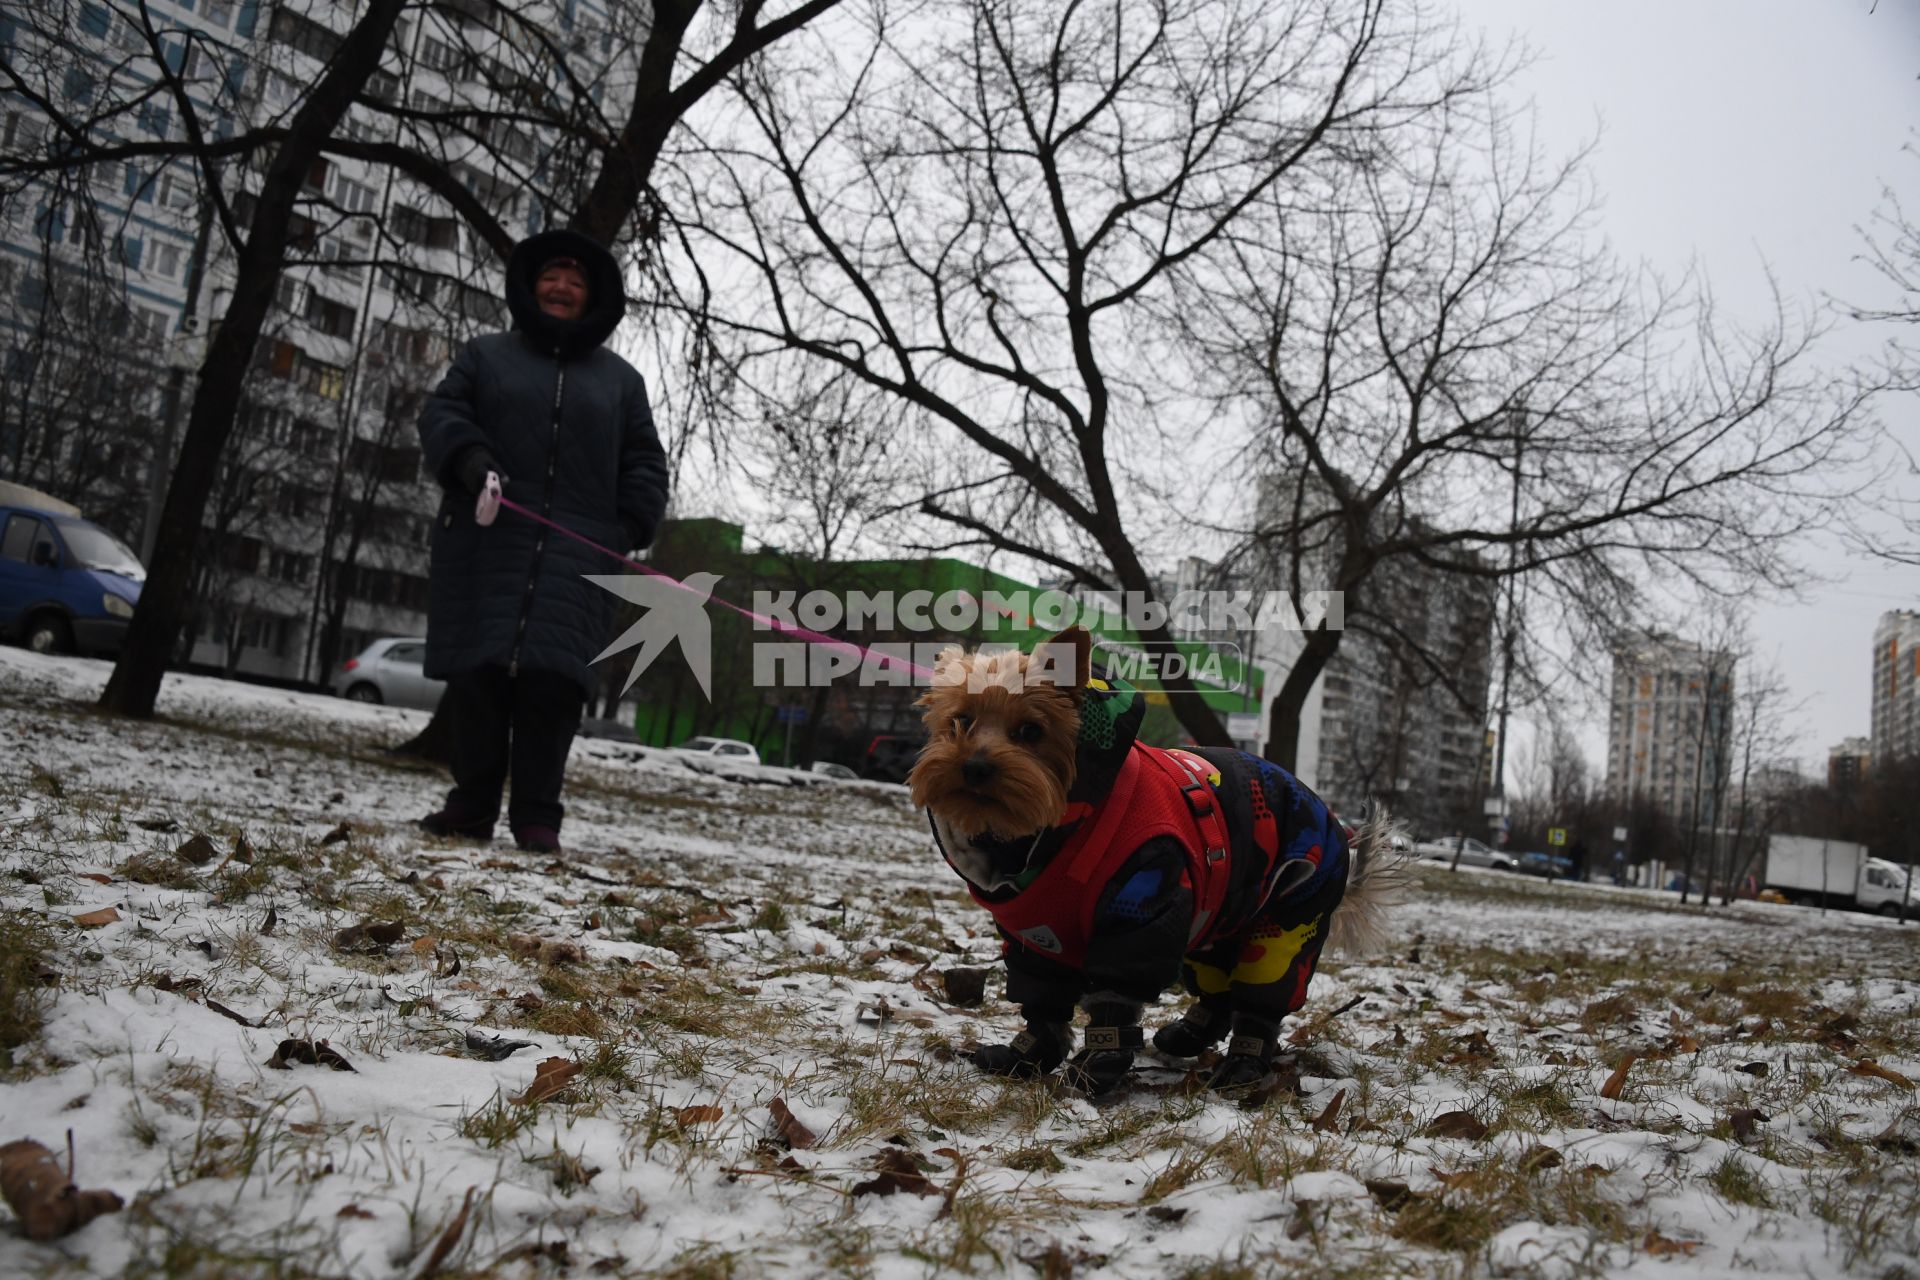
pixel 719 944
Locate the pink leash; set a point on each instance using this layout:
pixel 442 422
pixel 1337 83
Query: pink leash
pixel 491 500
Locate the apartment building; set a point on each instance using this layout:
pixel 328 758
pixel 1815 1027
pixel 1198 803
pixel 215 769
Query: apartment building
pixel 1848 763
pixel 317 528
pixel 1399 715
pixel 1895 724
pixel 1669 726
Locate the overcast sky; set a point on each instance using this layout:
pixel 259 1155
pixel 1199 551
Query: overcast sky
pixel 1748 135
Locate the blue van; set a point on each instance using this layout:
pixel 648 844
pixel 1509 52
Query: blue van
pixel 66 584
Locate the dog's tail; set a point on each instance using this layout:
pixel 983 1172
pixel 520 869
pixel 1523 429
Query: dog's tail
pixel 1377 879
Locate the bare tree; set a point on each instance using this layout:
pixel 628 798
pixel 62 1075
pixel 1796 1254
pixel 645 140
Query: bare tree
pixel 1438 358
pixel 975 213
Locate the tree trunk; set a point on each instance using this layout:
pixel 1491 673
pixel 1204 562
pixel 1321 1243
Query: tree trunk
pixel 135 683
pixel 1283 727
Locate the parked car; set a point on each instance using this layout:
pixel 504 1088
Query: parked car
pixel 829 769
pixel 1473 853
pixel 1554 866
pixel 720 750
pixel 66 584
pixel 389 671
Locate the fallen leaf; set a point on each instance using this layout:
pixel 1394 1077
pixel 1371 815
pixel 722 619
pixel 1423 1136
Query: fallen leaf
pixel 1660 1246
pixel 1743 1122
pixel 422 946
pixel 1540 1159
pixel 1165 1213
pixel 549 1078
pixel 353 1211
pixel 307 1127
pixel 97 877
pixel 1390 1195
pixel 708 917
pixel 788 1126
pixel 338 834
pixel 1868 1067
pixel 1618 1080
pixel 494 1048
pixel 897 1172
pixel 312 1053
pixel 448 1238
pixel 1455 1124
pixel 1324 1122
pixel 369 936
pixel 94 919
pixel 242 851
pixel 879 1011
pixel 1758 1070
pixel 554 951
pixel 273 919
pixel 199 851
pixel 687 1117
pixel 42 1195
pixel 965 988
pixel 225 1012
pixel 155 824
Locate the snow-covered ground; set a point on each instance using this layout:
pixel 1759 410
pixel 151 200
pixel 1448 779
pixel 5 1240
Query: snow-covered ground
pixel 746 978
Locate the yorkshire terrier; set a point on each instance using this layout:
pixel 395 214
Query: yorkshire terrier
pixel 1113 869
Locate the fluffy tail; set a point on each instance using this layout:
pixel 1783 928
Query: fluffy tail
pixel 1377 879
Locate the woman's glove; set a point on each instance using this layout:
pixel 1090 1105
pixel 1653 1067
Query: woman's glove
pixel 471 467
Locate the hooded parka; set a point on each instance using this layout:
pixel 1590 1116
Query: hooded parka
pixel 569 425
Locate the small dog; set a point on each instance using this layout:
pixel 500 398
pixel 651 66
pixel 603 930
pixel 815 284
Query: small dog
pixel 1113 869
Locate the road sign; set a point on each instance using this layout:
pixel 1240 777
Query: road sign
pixel 1556 835
pixel 1243 725
pixel 790 715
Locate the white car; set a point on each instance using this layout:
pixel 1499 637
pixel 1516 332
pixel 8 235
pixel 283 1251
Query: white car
pixel 1473 853
pixel 827 768
pixel 389 671
pixel 720 750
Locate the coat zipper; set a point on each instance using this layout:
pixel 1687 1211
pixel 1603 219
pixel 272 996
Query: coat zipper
pixel 546 512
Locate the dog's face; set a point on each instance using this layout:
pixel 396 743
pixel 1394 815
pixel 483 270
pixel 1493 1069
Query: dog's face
pixel 1001 732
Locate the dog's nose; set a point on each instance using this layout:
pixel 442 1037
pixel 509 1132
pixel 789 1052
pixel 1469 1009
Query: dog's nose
pixel 978 770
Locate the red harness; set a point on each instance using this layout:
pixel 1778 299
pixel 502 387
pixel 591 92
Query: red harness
pixel 1158 792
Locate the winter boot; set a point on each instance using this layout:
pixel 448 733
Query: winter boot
pixel 458 823
pixel 533 838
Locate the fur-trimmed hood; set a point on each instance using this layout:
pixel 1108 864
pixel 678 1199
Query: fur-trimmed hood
pixel 606 292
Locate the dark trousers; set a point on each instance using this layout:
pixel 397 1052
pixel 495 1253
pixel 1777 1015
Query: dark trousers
pixel 520 725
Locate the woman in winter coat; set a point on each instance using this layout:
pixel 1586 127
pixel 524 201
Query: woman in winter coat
pixel 511 621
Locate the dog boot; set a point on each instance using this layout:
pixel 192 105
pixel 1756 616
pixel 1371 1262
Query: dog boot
pixel 1198 1029
pixel 1249 1057
pixel 1105 1058
pixel 1034 1052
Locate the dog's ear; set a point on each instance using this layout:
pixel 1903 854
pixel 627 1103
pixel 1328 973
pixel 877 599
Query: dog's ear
pixel 949 671
pixel 1066 659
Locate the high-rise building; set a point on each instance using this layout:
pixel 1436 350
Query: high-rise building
pixel 1895 726
pixel 1399 715
pixel 1847 763
pixel 112 278
pixel 1669 726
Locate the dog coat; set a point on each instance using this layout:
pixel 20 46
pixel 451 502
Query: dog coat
pixel 1157 792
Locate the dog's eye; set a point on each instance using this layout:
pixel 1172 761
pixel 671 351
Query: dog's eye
pixel 1031 731
pixel 961 722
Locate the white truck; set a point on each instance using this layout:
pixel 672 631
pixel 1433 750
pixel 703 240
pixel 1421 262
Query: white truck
pixel 1838 872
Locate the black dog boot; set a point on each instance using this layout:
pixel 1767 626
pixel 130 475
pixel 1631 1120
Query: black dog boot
pixel 1105 1058
pixel 1033 1053
pixel 1198 1029
pixel 459 823
pixel 1249 1058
